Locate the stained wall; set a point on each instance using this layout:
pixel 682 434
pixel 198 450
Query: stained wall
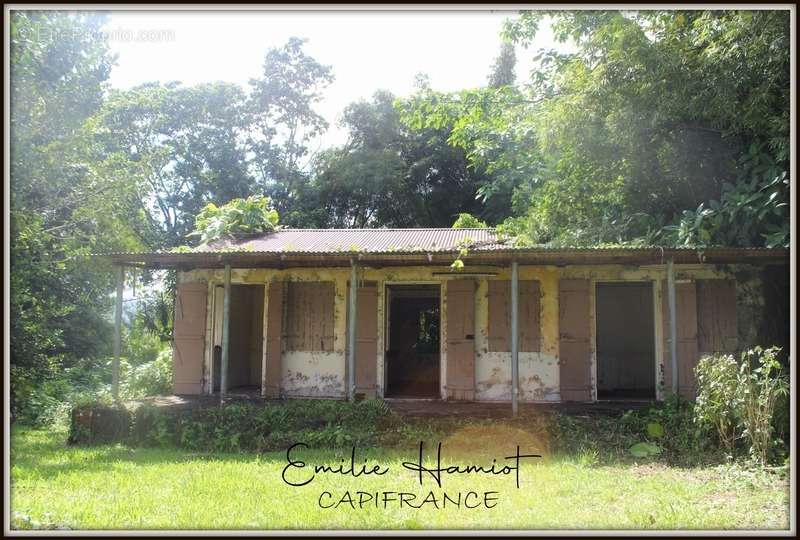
pixel 324 374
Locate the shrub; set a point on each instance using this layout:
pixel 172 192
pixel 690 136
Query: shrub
pixel 741 399
pixel 717 397
pixel 762 384
pixel 251 215
pixel 150 378
pixel 254 427
pixel 468 221
pixel 151 426
pixel 670 426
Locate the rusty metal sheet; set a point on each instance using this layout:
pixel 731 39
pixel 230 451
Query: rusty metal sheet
pixel 189 337
pixel 272 370
pixel 716 316
pixel 574 356
pixel 460 299
pixel 364 240
pixel 688 354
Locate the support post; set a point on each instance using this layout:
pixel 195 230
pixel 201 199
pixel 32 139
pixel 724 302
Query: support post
pixel 351 331
pixel 117 333
pixel 226 332
pixel 673 325
pixel 514 337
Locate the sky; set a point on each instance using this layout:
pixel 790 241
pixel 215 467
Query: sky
pixel 368 51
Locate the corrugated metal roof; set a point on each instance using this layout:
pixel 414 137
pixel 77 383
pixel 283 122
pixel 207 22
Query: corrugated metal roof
pixel 323 241
pixel 332 247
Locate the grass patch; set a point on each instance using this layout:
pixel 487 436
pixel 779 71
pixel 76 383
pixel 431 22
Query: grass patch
pixel 122 487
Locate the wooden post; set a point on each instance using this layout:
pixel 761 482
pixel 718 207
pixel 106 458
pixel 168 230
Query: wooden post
pixel 351 332
pixel 673 325
pixel 226 330
pixel 117 333
pixel 514 337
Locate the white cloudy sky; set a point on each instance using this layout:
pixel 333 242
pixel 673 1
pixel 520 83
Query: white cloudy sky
pixel 368 50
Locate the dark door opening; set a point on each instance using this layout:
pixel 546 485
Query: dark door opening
pixel 246 339
pixel 625 341
pixel 412 355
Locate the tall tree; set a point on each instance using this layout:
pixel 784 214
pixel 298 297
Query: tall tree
pixel 388 175
pixel 658 126
pixel 502 72
pixel 59 212
pixel 284 122
pixel 178 147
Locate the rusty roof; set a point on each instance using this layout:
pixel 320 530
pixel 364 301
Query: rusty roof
pixel 379 247
pixel 329 241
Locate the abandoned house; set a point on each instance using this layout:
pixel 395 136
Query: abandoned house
pixel 278 313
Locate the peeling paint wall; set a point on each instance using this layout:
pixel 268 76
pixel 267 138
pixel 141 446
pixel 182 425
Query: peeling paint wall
pixel 538 371
pixel 324 374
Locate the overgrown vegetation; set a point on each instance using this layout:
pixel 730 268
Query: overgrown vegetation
pixel 243 426
pixel 239 216
pixel 676 431
pixel 741 401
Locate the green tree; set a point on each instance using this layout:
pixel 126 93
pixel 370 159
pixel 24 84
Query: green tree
pixel 178 147
pixel 283 122
pixel 655 126
pixel 60 212
pixel 502 72
pixel 389 175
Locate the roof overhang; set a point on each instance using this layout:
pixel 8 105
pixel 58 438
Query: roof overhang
pixel 504 257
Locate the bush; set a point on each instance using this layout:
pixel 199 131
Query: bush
pixel 468 221
pixel 318 423
pixel 251 215
pixel 150 378
pixel 761 384
pixel 249 426
pixel 741 400
pixel 666 429
pixel 717 395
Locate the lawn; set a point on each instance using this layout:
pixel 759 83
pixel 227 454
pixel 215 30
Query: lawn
pixel 117 487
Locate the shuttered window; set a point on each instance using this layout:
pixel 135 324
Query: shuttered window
pixel 716 316
pixel 500 316
pixel 309 316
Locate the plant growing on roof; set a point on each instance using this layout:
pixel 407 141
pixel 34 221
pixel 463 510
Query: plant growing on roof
pixel 463 251
pixel 468 221
pixel 254 214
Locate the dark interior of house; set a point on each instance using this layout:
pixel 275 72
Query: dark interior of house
pixel 412 356
pixel 625 341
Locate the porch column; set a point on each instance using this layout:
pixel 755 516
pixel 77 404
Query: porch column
pixel 351 331
pixel 117 333
pixel 514 336
pixel 226 330
pixel 673 325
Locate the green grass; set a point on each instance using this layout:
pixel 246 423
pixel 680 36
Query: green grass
pixel 117 487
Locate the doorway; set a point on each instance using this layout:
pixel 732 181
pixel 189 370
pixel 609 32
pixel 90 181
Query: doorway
pixel 246 338
pixel 413 344
pixel 625 341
